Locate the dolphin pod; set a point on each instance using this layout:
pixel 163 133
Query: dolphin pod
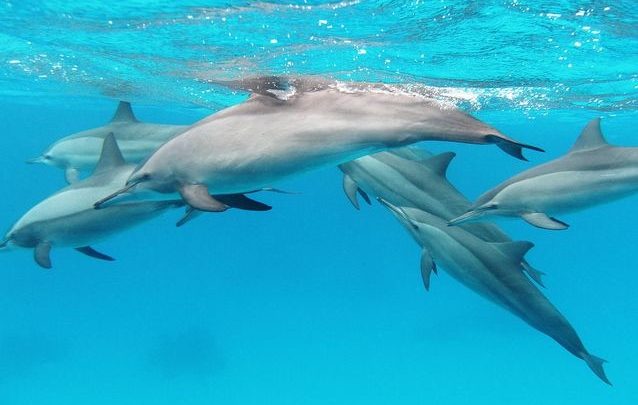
pixel 81 151
pixel 68 219
pixel 292 125
pixel 482 258
pixel 314 124
pixel 592 172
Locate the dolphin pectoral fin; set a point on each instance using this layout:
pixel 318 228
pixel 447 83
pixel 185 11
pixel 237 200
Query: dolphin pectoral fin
pixel 188 216
pixel 596 365
pixel 427 267
pixel 41 254
pixel 534 274
pixel 198 197
pixel 542 220
pixel 242 202
pixel 89 251
pixel 351 188
pixel 71 175
pixel 511 147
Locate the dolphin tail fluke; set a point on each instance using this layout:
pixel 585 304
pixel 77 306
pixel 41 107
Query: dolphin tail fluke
pixel 511 147
pixel 596 365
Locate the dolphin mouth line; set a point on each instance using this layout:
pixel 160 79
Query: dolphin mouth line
pixel 99 204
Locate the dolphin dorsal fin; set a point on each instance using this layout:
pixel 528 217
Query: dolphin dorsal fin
pixel 514 250
pixel 440 163
pixel 124 112
pixel 111 155
pixel 590 138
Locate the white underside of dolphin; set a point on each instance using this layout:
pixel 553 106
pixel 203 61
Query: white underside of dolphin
pixel 592 173
pixel 265 139
pixel 68 218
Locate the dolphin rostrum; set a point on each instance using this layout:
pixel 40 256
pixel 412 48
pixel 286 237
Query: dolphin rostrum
pixel 494 271
pixel 68 218
pixel 414 177
pixel 81 151
pixel 592 172
pixel 297 126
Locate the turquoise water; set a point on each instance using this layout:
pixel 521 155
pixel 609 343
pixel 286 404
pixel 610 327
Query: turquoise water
pixel 312 302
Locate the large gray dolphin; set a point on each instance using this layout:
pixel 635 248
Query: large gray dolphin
pixel 414 177
pixel 81 151
pixel 309 124
pixel 592 172
pixel 68 218
pixel 494 271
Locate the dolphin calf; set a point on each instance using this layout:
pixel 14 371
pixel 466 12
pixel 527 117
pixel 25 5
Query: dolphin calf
pixel 68 218
pixel 414 177
pixel 494 271
pixel 292 127
pixel 81 150
pixel 592 172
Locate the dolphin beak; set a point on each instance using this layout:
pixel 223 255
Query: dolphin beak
pixel 398 212
pixel 4 244
pixel 109 199
pixel 470 215
pixel 39 159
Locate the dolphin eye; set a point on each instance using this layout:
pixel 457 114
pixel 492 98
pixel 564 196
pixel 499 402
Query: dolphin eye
pixel 47 157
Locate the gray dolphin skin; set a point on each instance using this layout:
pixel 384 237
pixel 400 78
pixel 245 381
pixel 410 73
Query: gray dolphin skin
pixel 290 126
pixel 494 271
pixel 592 172
pixel 81 151
pixel 414 177
pixel 68 219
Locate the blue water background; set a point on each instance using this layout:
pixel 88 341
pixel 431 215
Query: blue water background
pixel 312 302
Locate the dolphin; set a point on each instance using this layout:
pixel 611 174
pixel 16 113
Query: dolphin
pixel 81 151
pixel 68 218
pixel 493 270
pixel 414 177
pixel 293 127
pixel 592 172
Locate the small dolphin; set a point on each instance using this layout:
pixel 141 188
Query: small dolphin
pixel 315 123
pixel 68 218
pixel 494 271
pixel 592 172
pixel 414 177
pixel 81 150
